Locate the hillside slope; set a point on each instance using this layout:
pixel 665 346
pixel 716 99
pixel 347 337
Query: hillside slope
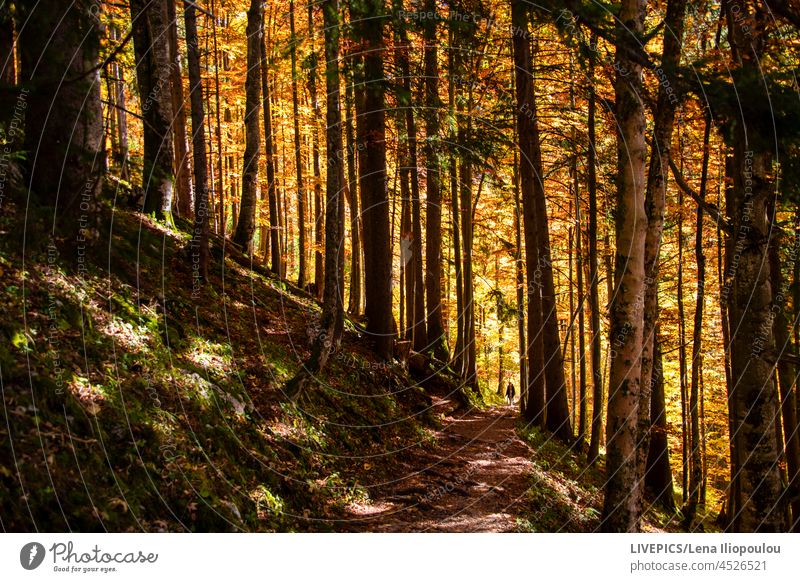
pixel 130 404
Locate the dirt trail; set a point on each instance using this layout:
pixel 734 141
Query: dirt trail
pixel 473 479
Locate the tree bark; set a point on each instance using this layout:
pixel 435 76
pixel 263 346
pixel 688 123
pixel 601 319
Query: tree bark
pixel 332 317
pixel 655 199
pixel 319 219
pixel 63 121
pixel 534 392
pixel 153 75
pixel 199 242
pixel 368 24
pixel 246 225
pixel 622 505
pixel 755 402
pixel 183 179
pixel 298 156
pixel 351 190
pixel 594 275
pixel 275 242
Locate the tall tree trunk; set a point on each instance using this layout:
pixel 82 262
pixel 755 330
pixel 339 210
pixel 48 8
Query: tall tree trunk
pixel 658 472
pixel 63 121
pixel 153 75
pixel 246 225
pixel 534 392
pixel 298 156
pixel 183 179
pixel 696 474
pixel 415 267
pixel 557 401
pixel 275 243
pixel 319 218
pixel 754 396
pixel 199 242
pixel 682 380
pixel 622 506
pixel 594 275
pixel 655 200
pixel 519 266
pixel 332 317
pixel 433 203
pixel 368 24
pixel 469 364
pixel 221 217
pixel 351 190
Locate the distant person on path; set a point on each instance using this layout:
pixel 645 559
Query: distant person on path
pixel 510 392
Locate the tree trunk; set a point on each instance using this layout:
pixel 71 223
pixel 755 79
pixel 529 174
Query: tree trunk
pixel 298 156
pixel 63 121
pixel 622 506
pixel 368 27
pixel 469 364
pixel 275 243
pixel 319 219
pixel 218 128
pixel 183 179
pixel 658 472
pixel 696 472
pixel 417 317
pixel 754 395
pixel 246 225
pixel 153 75
pixel 433 204
pixel 199 244
pixel 351 190
pixel 331 319
pixel 534 392
pixel 655 199
pixel 594 275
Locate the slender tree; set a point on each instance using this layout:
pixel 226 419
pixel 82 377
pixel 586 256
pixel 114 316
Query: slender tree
pixel 150 34
pixel 246 225
pixel 332 317
pixel 433 202
pixel 622 505
pixel 201 204
pixel 183 178
pixel 298 156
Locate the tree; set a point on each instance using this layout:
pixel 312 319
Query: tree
pixel 655 200
pixel 246 226
pixel 183 181
pixel 201 203
pixel 534 391
pixel 594 275
pixel 298 161
pixel 622 504
pixel 754 398
pixel 276 246
pixel 433 203
pixel 60 97
pixel 332 318
pixel 150 34
pixel 367 19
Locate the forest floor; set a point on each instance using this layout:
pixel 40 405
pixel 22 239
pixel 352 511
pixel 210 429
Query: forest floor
pixel 474 479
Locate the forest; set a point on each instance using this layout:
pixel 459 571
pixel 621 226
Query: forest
pixel 400 265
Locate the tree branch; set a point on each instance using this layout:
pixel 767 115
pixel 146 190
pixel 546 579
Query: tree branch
pixel 711 209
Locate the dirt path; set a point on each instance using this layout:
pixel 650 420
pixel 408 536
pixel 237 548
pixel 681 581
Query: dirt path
pixel 473 479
